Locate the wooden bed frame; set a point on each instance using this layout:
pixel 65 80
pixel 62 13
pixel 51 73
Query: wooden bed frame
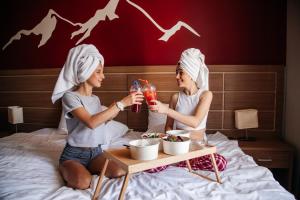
pixel 233 86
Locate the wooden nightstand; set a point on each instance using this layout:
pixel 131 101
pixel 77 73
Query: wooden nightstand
pixel 274 154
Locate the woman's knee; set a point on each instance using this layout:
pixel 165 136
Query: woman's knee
pixel 75 174
pixel 80 182
pixel 116 173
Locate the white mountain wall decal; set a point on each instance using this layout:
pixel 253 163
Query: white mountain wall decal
pixel 100 15
pixel 44 28
pixel 167 33
pixel 48 24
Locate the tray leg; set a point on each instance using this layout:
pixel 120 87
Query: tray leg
pixel 99 184
pixel 212 157
pixel 206 177
pixel 124 186
pixel 194 173
pixel 189 165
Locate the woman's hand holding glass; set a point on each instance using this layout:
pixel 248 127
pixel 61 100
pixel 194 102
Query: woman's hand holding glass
pixel 133 98
pixel 158 107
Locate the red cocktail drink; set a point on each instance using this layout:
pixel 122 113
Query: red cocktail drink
pixel 136 108
pixel 149 91
pixel 150 95
pixel 136 87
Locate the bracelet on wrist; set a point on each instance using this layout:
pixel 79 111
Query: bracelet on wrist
pixel 120 105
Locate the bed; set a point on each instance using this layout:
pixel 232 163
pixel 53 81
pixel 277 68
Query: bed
pixel 29 161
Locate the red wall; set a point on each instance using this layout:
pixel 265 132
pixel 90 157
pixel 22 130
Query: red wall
pixel 232 32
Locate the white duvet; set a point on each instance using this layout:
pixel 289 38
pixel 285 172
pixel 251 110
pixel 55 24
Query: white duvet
pixel 28 170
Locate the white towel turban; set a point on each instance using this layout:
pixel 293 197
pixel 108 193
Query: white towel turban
pixel 192 61
pixel 81 62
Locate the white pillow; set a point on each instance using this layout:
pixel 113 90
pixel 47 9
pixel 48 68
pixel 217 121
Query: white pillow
pixel 156 121
pixel 62 126
pixel 114 129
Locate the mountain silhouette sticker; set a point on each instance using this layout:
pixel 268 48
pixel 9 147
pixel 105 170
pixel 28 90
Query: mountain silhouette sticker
pixel 44 28
pixel 167 33
pixel 100 15
pixel 48 25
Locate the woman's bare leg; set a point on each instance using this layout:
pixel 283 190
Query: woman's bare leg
pixel 75 174
pixel 112 170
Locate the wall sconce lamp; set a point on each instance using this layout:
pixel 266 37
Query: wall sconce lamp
pixel 245 119
pixel 15 115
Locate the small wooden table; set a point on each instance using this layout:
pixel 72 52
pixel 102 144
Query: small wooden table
pixel 122 157
pixel 274 154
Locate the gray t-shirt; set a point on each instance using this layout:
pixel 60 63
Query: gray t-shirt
pixel 79 134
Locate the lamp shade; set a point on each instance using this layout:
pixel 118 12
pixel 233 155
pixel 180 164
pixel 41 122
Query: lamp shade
pixel 15 114
pixel 246 118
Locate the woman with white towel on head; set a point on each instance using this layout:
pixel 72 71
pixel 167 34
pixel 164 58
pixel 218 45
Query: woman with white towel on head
pixel 82 155
pixel 189 108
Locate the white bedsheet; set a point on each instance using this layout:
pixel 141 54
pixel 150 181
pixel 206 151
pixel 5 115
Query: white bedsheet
pixel 28 170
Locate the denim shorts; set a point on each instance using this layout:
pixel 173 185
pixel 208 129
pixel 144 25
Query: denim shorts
pixel 82 155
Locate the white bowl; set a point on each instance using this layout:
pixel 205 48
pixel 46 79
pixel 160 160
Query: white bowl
pixel 184 133
pixel 144 149
pixel 177 148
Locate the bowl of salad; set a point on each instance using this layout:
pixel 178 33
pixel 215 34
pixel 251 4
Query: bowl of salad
pixel 176 145
pixel 154 136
